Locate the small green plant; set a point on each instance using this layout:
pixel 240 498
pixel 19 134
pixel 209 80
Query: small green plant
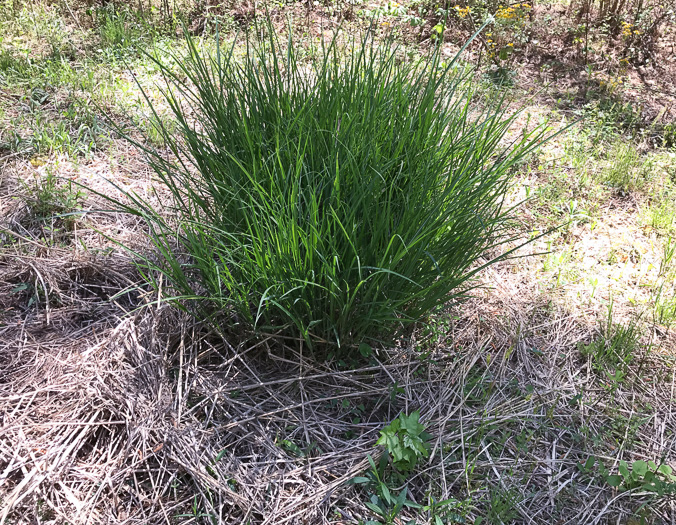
pixel 444 512
pixel 15 143
pixel 668 252
pixel 608 115
pixel 387 503
pixel 197 512
pixel 63 137
pixel 155 127
pixel 639 476
pixel 614 349
pixel 436 330
pixel 382 502
pixel 118 28
pixel 664 295
pixel 28 293
pixel 665 304
pixel 406 441
pixel 661 216
pixel 645 476
pixel 48 196
pixel 503 506
pixel 560 263
pixel 294 450
pixel 12 65
pixel 376 482
pixel 334 198
pixel 620 173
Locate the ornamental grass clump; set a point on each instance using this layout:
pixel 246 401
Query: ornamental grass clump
pixel 332 197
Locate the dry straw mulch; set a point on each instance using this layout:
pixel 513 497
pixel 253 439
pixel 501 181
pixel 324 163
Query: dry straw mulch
pixel 117 408
pixel 140 418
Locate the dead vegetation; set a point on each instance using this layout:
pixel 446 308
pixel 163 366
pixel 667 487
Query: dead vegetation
pixel 143 417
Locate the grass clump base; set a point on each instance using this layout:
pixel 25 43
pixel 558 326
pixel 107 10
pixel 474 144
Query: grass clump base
pixel 334 197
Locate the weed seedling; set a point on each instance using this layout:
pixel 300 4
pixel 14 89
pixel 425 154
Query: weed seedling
pixel 645 476
pixel 49 196
pixel 614 349
pixel 619 173
pixel 405 442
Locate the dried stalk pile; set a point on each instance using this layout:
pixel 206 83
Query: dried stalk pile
pixel 116 415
